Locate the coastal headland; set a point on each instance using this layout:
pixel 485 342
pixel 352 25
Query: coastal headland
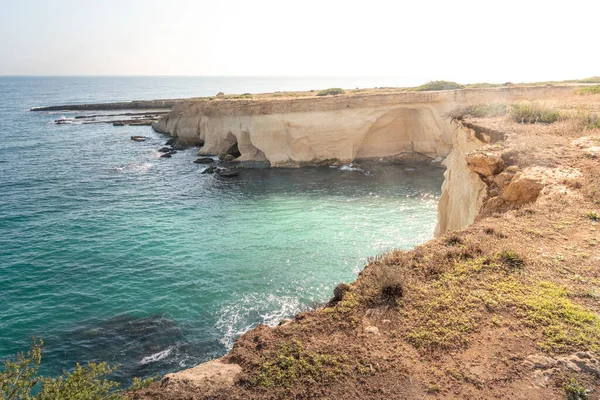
pixel 503 303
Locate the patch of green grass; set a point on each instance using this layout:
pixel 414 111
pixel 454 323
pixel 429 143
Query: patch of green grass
pixel 293 364
pixel 590 120
pixel 438 85
pixel 589 90
pixel 593 215
pixel 331 92
pixel 442 313
pixel 531 114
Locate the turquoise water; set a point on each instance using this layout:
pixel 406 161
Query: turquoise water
pixel 111 253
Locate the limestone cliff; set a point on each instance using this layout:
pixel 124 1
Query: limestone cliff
pixel 311 130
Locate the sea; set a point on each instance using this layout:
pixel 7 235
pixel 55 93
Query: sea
pixel 110 253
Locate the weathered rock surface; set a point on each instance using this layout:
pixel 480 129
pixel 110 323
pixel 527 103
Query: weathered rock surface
pixel 214 374
pixel 523 189
pixel 485 164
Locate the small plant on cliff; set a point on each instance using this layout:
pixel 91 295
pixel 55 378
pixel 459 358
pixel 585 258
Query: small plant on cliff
pixel 575 390
pixel 19 377
pixel 438 85
pixel 331 92
pixel 593 215
pixel 531 114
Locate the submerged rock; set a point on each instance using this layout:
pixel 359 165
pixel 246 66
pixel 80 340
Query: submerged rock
pixel 228 173
pixel 228 157
pixel 209 170
pixel 170 142
pixel 204 160
pixel 166 155
pixel 138 138
pixel 165 149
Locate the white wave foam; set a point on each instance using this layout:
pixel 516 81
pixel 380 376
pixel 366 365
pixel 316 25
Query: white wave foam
pixel 254 309
pixel 134 167
pixel 156 357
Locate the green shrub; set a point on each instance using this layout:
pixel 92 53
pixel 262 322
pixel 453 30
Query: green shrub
pixel 575 390
pixel 331 92
pixel 531 114
pixel 19 377
pixel 589 90
pixel 438 85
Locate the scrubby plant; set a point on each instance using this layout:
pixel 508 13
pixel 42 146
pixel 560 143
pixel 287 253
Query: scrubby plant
pixel 590 120
pixel 331 92
pixel 526 113
pixel 589 90
pixel 575 390
pixel 438 85
pixel 511 259
pixel 19 377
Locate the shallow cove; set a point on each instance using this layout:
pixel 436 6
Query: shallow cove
pixel 110 253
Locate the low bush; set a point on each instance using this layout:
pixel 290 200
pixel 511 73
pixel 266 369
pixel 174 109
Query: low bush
pixel 331 92
pixel 438 85
pixel 530 114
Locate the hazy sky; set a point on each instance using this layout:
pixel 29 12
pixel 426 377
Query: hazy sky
pixel 466 41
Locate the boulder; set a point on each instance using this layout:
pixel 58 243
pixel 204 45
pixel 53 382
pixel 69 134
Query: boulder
pixel 485 164
pixel 522 189
pixel 228 157
pixel 204 160
pixel 166 155
pixel 138 138
pixel 165 149
pixel 170 142
pixel 118 124
pixel 210 170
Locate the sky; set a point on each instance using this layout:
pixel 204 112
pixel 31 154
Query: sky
pixel 459 40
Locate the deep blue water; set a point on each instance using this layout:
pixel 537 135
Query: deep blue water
pixel 110 253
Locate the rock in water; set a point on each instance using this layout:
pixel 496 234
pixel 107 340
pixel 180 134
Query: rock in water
pixel 138 138
pixel 204 160
pixel 228 157
pixel 165 149
pixel 228 173
pixel 171 142
pixel 166 155
pixel 209 170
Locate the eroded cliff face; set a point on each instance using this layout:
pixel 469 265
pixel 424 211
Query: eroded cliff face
pixel 300 138
pixel 463 190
